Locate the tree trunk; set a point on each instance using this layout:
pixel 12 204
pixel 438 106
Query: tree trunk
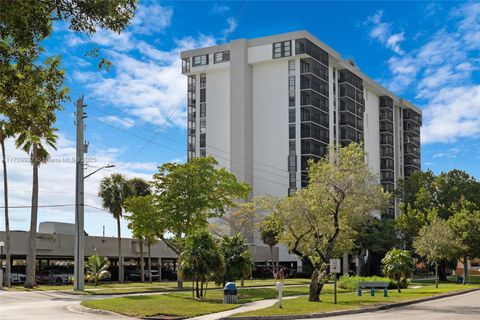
pixel 315 286
pixel 196 287
pixel 149 246
pixel 120 258
pixel 201 288
pixel 436 275
pixel 398 285
pixel 465 269
pixel 32 250
pixel 7 221
pixel 442 271
pixel 142 261
pixel 273 261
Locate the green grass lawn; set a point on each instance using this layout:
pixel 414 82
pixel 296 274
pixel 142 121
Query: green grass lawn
pixel 475 279
pixel 182 304
pixel 138 287
pixel 351 301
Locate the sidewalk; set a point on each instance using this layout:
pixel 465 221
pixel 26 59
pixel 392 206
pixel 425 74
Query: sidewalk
pixel 251 306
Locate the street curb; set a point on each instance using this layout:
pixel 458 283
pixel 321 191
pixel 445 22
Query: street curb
pixel 82 309
pixel 352 311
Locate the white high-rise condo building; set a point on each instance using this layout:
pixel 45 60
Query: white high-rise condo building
pixel 263 107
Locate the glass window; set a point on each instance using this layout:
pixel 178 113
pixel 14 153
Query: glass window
pixel 291 131
pixel 203 80
pixel 203 140
pixel 201 60
pixel 220 57
pixel 203 110
pixel 282 49
pixel 291 83
pixel 203 125
pixel 291 115
pixel 291 99
pixel 203 153
pixel 203 95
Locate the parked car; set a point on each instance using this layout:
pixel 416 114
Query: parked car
pixel 135 275
pixel 17 278
pixel 54 276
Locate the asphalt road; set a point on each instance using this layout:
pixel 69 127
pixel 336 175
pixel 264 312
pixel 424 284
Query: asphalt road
pixel 465 306
pixel 46 306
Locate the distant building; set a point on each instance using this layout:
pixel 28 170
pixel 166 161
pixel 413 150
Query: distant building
pixel 55 246
pixel 263 107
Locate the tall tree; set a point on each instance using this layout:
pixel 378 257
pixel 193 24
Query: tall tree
pixel 6 131
pixel 114 189
pixel 187 195
pixel 465 224
pixel 376 237
pixel 436 242
pixel 317 218
pixel 42 96
pixel 397 265
pixel 140 187
pixel 144 225
pixel 270 230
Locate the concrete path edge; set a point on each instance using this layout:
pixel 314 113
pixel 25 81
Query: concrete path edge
pixel 352 311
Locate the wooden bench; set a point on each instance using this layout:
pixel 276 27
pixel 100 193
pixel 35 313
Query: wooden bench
pixel 372 286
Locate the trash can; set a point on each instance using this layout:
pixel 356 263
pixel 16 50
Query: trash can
pixel 230 293
pixel 459 279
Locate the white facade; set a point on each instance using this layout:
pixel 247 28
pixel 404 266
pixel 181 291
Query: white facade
pixel 273 102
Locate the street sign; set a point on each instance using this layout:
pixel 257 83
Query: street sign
pixel 335 266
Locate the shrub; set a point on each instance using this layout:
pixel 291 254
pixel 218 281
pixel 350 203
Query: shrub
pixel 350 282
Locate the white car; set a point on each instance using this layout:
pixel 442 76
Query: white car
pixel 17 278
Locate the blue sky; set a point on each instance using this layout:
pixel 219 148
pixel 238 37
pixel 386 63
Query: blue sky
pixel 425 52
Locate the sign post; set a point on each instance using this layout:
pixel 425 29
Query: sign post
pixel 335 268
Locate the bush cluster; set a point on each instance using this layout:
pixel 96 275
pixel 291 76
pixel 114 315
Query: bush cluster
pixel 350 282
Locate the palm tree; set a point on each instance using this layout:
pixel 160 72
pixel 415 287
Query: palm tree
pixel 270 230
pixel 114 189
pixel 39 97
pixel 97 268
pixel 397 265
pixel 31 142
pixel 6 131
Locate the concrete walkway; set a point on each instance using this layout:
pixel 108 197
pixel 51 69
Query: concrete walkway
pixel 251 306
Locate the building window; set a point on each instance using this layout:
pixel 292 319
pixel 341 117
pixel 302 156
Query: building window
pixel 291 115
pixel 282 49
pixel 203 140
pixel 291 67
pixel 203 110
pixel 203 125
pixel 185 65
pixel 291 131
pixel 201 60
pixel 220 57
pixel 203 153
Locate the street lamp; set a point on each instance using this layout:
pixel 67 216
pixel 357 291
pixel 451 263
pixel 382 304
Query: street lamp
pixel 79 254
pixel 108 166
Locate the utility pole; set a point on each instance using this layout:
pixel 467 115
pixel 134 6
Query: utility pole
pixel 79 201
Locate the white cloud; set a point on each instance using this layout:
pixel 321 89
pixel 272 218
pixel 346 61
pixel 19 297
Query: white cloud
pixel 57 186
pixel 115 120
pixel 151 18
pixel 220 8
pixel 382 32
pixel 232 25
pixel 440 72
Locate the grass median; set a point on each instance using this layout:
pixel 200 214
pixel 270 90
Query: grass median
pixel 350 300
pixel 182 304
pixel 139 287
